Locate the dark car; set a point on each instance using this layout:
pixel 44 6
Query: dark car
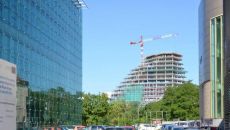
pixel 177 128
pixel 115 128
pixel 167 127
pixel 192 129
pixel 128 127
pixel 96 127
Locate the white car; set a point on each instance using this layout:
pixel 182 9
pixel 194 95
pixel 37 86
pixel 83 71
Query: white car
pixel 146 127
pixel 184 124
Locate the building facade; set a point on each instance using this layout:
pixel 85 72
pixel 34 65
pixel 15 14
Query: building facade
pixel 149 80
pixel 44 39
pixel 211 61
pixel 226 5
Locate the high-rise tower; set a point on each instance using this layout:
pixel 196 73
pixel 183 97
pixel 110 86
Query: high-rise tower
pixel 147 82
pixel 44 39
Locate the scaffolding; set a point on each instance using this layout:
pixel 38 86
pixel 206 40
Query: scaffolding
pixel 150 79
pixel 132 93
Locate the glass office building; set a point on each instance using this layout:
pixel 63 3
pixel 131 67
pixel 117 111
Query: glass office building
pixel 211 58
pixel 44 39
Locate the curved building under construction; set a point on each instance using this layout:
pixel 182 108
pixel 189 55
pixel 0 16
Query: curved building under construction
pixel 149 80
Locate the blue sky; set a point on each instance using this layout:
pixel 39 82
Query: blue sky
pixel 109 26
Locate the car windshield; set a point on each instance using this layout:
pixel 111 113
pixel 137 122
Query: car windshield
pixel 183 123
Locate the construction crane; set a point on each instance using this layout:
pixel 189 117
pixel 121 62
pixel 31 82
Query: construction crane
pixel 141 43
pixel 158 37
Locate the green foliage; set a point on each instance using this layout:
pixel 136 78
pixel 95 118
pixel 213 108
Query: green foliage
pixel 179 102
pixel 95 109
pixel 122 113
pixel 156 106
pixel 182 102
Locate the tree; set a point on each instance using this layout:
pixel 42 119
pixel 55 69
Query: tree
pixel 182 101
pixel 95 108
pixel 179 102
pixel 122 113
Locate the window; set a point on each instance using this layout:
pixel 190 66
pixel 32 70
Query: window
pixel 216 61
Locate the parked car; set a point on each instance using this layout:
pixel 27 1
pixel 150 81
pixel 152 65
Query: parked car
pixel 158 127
pixel 183 124
pixel 192 129
pixel 146 127
pixel 128 127
pixel 167 127
pixel 79 127
pixel 95 127
pixel 67 127
pixel 52 128
pixel 177 128
pixel 192 124
pixel 114 128
pixel 119 128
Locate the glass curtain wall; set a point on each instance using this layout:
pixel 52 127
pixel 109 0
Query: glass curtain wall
pixel 44 39
pixel 217 66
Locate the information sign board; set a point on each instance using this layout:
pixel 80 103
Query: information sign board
pixel 7 95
